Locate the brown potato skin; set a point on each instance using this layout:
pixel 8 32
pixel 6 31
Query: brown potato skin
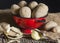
pixel 25 12
pixel 40 11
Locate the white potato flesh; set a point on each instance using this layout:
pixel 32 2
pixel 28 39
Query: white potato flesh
pixel 35 35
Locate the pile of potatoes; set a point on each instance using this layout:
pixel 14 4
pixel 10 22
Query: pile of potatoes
pixel 34 10
pixel 31 10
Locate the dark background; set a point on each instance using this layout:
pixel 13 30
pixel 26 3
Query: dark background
pixel 54 5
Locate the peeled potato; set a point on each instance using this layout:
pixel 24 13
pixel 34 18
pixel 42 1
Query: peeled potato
pixel 33 4
pixel 40 11
pixel 25 12
pixel 50 25
pixel 22 3
pixel 56 29
pixel 14 9
pixel 35 35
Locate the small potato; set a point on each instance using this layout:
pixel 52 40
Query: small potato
pixel 33 4
pixel 22 3
pixel 40 11
pixel 35 35
pixel 5 26
pixel 14 9
pixel 50 25
pixel 25 12
pixel 56 29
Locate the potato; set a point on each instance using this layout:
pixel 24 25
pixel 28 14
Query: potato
pixel 5 26
pixel 35 35
pixel 33 4
pixel 14 9
pixel 25 12
pixel 56 29
pixel 40 11
pixel 50 24
pixel 22 3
